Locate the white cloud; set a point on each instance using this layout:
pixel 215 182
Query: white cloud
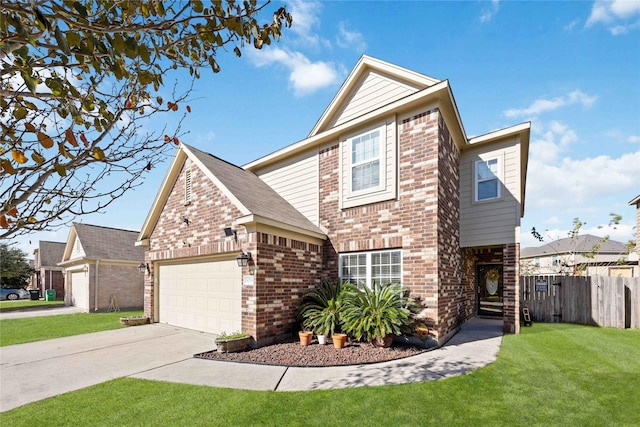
pixel 580 182
pixel 305 76
pixel 305 20
pixel 633 139
pixel 616 15
pixel 348 39
pixel 543 105
pixel 571 25
pixel 489 12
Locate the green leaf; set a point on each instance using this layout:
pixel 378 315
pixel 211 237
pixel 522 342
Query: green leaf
pixel 20 113
pixel 62 41
pixel 62 171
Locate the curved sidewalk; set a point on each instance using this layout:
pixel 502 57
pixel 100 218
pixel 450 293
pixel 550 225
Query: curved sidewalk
pixel 35 371
pixel 474 346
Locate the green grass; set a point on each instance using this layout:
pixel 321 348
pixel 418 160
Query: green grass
pixel 30 329
pixel 549 375
pixel 7 306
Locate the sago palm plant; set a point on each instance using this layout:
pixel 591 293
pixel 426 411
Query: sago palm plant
pixel 372 313
pixel 320 309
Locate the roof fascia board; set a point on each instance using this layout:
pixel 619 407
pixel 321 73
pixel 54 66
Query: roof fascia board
pixel 368 62
pixel 635 201
pixel 248 220
pixel 68 247
pixel 440 91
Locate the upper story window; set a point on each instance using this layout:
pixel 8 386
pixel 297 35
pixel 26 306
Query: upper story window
pixel 554 260
pixel 365 268
pixel 187 186
pixel 487 179
pixel 365 161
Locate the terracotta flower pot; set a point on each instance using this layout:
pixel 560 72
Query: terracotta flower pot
pixel 305 337
pixel 339 340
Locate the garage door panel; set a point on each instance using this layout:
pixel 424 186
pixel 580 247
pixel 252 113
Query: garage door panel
pixel 79 290
pixel 204 296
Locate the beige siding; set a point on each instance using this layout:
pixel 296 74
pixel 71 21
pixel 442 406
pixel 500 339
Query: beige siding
pixel 296 180
pixel 388 173
pixel 496 221
pixel 375 91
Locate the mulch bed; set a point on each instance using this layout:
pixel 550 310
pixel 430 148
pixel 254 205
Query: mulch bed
pixel 294 354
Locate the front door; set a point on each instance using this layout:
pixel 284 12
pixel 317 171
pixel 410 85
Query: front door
pixel 489 283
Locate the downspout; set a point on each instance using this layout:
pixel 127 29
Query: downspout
pixel 95 287
pixel 50 279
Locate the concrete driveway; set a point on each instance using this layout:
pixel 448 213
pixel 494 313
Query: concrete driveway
pixel 36 371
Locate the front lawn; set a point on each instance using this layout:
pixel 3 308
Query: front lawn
pixel 551 374
pixel 30 329
pixel 26 304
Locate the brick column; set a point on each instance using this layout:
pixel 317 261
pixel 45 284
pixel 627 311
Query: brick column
pixel 511 282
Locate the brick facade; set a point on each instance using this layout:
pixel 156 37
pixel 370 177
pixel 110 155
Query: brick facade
pixel 423 221
pixel 283 266
pixel 50 279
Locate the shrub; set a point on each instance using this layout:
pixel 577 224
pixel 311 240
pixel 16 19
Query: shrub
pixel 321 307
pixel 370 314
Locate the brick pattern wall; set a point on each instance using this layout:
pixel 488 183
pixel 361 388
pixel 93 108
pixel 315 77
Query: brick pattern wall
pixel 282 267
pixel 122 281
pixel 451 293
pixel 427 160
pixel 208 213
pixel 285 268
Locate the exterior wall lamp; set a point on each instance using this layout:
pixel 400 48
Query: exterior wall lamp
pixel 243 259
pixel 228 232
pixel 142 267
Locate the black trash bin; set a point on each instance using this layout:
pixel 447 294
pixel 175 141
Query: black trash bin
pixel 35 294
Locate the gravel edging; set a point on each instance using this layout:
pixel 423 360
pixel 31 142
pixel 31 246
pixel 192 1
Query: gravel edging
pixel 315 355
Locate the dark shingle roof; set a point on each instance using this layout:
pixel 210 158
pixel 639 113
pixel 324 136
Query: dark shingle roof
pixel 582 244
pixel 253 193
pixel 108 243
pixel 50 253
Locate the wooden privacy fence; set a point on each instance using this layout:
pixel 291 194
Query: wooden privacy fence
pixel 597 300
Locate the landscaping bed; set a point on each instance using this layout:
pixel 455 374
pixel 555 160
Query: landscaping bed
pixel 294 354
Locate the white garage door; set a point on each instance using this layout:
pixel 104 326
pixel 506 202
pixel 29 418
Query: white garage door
pixel 205 296
pixel 80 290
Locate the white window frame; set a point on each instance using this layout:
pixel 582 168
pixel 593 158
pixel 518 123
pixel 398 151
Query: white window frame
pixel 381 158
pixel 368 281
pixel 497 177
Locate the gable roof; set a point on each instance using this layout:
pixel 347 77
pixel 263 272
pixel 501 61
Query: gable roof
pixel 104 243
pixel 635 201
pixel 406 82
pixel 253 197
pixel 50 253
pixel 583 244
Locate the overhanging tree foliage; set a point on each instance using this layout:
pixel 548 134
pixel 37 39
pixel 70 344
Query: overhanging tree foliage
pixel 78 80
pixel 14 267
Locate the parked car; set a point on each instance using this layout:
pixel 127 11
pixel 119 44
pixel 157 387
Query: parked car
pixel 13 294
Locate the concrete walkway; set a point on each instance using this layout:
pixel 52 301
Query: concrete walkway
pixel 38 312
pixel 35 371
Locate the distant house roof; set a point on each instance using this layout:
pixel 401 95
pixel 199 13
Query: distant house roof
pixel 635 201
pixel 256 201
pixel 582 244
pixel 50 253
pixel 104 243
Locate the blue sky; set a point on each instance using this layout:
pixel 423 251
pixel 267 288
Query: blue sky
pixel 571 68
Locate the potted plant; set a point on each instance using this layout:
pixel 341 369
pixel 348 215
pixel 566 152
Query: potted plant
pixel 320 309
pixel 305 337
pixel 377 313
pixel 134 320
pixel 229 343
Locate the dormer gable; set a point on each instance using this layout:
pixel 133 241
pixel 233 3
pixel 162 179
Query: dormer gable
pixel 370 85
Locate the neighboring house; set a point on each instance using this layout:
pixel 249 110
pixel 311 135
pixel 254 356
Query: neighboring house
pixel 48 274
pixel 585 255
pixel 101 268
pixel 387 187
